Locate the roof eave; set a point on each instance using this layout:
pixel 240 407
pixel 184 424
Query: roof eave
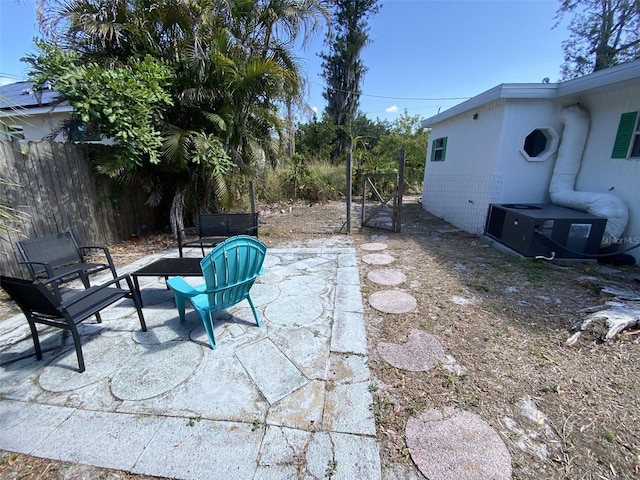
pixel 616 75
pixel 30 112
pixel 505 90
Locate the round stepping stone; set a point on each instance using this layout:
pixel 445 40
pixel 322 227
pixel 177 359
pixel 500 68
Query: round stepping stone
pixel 372 247
pixel 393 301
pixel 378 259
pixel 457 444
pixel 387 276
pixel 422 352
pixel 157 370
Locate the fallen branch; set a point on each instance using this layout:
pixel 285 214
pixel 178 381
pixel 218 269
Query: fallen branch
pixel 619 314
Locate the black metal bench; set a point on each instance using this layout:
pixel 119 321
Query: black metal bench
pixel 60 256
pixel 215 228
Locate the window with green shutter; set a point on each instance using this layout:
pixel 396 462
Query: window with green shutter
pixel 438 149
pixel 628 135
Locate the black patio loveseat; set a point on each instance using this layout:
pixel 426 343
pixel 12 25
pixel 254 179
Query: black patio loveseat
pixel 215 228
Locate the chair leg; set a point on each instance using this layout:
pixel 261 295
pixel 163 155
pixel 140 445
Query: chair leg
pixel 208 326
pixel 86 283
pixel 253 309
pixel 135 296
pixel 76 341
pixel 180 305
pixel 36 340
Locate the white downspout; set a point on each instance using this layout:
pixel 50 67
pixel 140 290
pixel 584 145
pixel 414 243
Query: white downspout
pixel 562 186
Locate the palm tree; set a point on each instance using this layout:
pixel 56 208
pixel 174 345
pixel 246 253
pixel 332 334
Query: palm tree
pixel 234 68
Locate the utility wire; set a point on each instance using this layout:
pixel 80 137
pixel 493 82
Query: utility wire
pixel 394 98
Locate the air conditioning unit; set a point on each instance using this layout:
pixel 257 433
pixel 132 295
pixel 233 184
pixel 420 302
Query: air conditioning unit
pixel 545 230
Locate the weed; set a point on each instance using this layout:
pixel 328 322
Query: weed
pixel 481 287
pixel 608 435
pixel 373 387
pixel 256 425
pixel 332 468
pixel 193 420
pixel 316 333
pixel 469 403
pixel 534 270
pixel 490 307
pixel 534 349
pixel 449 381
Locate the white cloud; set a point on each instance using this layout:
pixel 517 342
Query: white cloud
pixel 315 109
pixel 392 109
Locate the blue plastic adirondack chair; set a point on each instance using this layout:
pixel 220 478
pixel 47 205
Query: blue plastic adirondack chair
pixel 229 273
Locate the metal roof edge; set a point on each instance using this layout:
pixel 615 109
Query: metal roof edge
pixel 602 78
pixel 29 112
pixel 504 90
pixel 624 72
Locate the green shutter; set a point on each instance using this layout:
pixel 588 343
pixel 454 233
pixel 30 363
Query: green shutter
pixel 625 132
pixel 435 148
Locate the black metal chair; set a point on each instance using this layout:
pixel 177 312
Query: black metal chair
pixel 42 303
pixel 59 255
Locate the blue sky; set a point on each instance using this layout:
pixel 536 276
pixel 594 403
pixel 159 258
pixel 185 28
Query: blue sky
pixel 424 55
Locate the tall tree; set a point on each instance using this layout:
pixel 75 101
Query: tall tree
pixel 603 33
pixel 343 69
pixel 232 66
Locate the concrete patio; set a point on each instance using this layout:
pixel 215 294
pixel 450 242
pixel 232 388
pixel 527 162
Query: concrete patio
pixel 290 399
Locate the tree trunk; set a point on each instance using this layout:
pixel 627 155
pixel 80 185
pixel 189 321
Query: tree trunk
pixel 176 215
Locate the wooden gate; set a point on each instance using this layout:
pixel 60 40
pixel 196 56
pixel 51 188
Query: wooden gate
pixel 385 206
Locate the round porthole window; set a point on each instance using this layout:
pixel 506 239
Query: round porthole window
pixel 539 144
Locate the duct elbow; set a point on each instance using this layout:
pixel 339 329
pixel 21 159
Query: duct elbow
pixel 606 205
pixel 562 185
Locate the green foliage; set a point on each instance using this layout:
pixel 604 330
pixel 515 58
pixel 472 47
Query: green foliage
pixel 231 66
pixel 603 33
pixel 318 140
pixel 405 132
pixel 314 181
pixel 314 140
pixel 127 102
pixel 375 148
pixel 342 67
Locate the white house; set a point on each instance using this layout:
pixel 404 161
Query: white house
pixel 29 114
pixel 501 146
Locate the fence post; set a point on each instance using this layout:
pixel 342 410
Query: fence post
pixel 348 193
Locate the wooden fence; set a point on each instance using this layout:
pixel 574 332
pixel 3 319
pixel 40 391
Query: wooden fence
pixel 55 188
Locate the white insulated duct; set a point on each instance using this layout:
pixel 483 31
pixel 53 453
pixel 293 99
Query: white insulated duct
pixel 562 186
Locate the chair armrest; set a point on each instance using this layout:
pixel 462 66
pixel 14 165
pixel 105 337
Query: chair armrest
pixel 105 251
pixel 179 285
pixel 188 230
pixel 89 291
pixel 47 268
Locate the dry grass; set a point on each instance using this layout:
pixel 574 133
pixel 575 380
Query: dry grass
pixel 508 340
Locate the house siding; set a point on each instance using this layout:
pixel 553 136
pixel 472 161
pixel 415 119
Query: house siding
pixel 484 164
pixel 525 181
pixel 601 173
pixel 37 127
pixel 460 188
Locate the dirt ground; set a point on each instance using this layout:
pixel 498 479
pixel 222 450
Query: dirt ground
pixel 564 412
